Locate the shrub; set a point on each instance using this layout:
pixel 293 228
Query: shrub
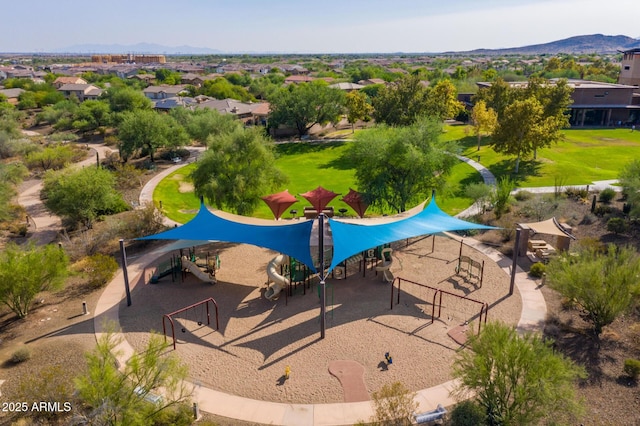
pixel 576 193
pixel 468 413
pixel 523 195
pixel 394 404
pixel 100 269
pixel 181 415
pixel 21 355
pixel 537 270
pixel 602 210
pixel 50 383
pixel 617 225
pixel 606 195
pixel 632 368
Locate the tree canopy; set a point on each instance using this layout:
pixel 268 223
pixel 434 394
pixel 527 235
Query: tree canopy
pixel 82 195
pixel 204 122
pixel 146 131
pixel 401 103
pixel 358 107
pixel 517 379
pixel 236 170
pixel 305 105
pixel 399 166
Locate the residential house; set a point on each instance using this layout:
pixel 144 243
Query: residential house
pixel 12 95
pixel 347 87
pixel 82 92
pixel 250 113
pixel 164 91
pixel 370 81
pixel 61 81
pixel 297 79
pixel 174 102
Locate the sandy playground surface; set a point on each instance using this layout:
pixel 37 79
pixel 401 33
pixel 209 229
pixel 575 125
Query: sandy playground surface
pixel 258 338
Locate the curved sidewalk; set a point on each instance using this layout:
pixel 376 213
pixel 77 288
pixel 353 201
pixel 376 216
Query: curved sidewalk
pixel 235 407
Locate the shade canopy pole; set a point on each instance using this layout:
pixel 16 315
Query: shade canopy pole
pixel 323 294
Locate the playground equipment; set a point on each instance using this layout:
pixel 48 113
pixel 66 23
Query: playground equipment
pixel 169 267
pixel 387 260
pixel 484 307
pixel 197 310
pixel 279 280
pixel 469 268
pixel 197 272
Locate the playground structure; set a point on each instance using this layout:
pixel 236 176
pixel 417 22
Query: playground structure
pixel 437 301
pixel 202 275
pixel 203 270
pixel 387 261
pixel 168 267
pixel 196 308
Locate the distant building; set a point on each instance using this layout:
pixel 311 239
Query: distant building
pixel 595 103
pixel 61 81
pixel 130 59
pixel 83 92
pixel 164 92
pixel 630 68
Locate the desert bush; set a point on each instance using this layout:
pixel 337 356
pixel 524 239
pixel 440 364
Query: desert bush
pixel 468 413
pixel 537 270
pixel 99 268
pixel 111 141
pixel 394 404
pixel 632 368
pixel 21 355
pixel 617 225
pixel 635 336
pixel 127 176
pixel 51 383
pixel 523 195
pixel 502 196
pixel 602 210
pixel 606 195
pixel 588 219
pixel 181 415
pixel 576 193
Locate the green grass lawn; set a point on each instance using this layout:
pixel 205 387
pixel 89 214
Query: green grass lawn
pixel 583 156
pixel 307 165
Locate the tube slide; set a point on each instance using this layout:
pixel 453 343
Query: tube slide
pixel 195 270
pixel 279 281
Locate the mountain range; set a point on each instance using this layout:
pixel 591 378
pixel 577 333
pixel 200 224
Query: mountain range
pixel 595 43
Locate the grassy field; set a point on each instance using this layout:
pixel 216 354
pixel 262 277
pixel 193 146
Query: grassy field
pixel 583 156
pixel 307 165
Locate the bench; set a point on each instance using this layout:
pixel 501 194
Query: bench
pixel 311 213
pixel 431 416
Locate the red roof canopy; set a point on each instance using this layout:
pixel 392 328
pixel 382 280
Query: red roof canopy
pixel 279 202
pixel 356 202
pixel 319 197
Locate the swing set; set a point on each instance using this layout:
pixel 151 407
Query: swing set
pixel 469 268
pixel 198 311
pixel 437 300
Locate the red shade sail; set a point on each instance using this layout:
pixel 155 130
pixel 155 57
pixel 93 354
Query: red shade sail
pixel 319 198
pixel 279 202
pixel 356 202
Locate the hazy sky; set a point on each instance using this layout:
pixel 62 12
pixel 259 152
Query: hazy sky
pixel 302 26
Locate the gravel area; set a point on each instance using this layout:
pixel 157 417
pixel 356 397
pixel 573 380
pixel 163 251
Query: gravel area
pixel 258 338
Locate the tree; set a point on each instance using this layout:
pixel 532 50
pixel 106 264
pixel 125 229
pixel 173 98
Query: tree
pixel 92 114
pixel 517 379
pixel 52 157
pixel 221 88
pixel 204 122
pixel 121 397
pixel 27 271
pixel 146 131
pixel 305 105
pixel 604 285
pixel 236 170
pixel 358 108
pixel 398 166
pixel 123 99
pixel 630 181
pixel 484 120
pixel 441 101
pixel 401 103
pixel 82 195
pixel 521 130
